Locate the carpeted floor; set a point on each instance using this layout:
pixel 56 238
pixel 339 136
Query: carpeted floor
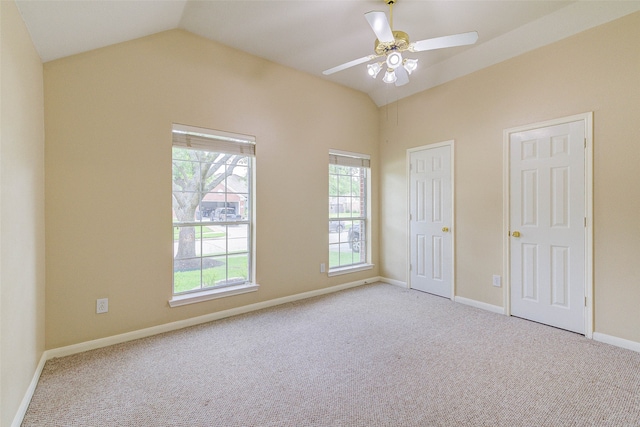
pixel 376 355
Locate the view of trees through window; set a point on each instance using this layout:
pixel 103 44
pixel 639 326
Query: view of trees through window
pixel 211 219
pixel 347 215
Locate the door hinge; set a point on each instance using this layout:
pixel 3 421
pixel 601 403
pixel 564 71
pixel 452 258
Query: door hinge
pixel 410 267
pixel 585 301
pixel 585 143
pixel 585 221
pixel 410 217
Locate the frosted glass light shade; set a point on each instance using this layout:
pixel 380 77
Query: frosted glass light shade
pixel 394 60
pixel 410 65
pixel 373 69
pixel 389 76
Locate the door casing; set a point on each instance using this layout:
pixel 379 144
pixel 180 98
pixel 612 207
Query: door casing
pixel 587 119
pixel 453 211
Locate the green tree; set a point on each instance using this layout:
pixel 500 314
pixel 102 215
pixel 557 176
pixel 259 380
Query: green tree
pixel 344 181
pixel 345 187
pixel 195 173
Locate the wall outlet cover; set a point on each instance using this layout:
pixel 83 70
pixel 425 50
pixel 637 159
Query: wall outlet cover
pixel 102 305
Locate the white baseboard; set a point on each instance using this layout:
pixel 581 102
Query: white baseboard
pixel 618 342
pixel 26 400
pixel 173 326
pixel 461 300
pixel 394 282
pixel 478 304
pixel 143 333
pixel 168 327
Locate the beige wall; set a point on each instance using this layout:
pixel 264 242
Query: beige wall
pixel 108 209
pixel 21 211
pixel 108 175
pixel 597 70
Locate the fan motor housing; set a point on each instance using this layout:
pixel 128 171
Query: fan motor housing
pixel 401 43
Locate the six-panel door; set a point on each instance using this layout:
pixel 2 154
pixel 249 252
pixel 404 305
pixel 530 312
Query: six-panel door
pixel 430 220
pixel 547 208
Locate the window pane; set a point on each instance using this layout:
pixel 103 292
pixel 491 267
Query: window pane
pixel 186 206
pixel 208 204
pixel 238 237
pixel 185 171
pixel 334 255
pixel 186 275
pixel 210 188
pixel 225 271
pixel 340 202
pixel 214 240
pixel 336 227
pixel 355 185
pixel 238 181
pixel 245 211
pixel 357 241
pixel 214 271
pixel 238 268
pixel 333 185
pixel 214 178
pixel 347 226
pixel 186 242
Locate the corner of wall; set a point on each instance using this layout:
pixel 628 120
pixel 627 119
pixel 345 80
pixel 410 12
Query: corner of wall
pixel 22 287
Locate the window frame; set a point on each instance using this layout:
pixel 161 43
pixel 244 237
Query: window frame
pixel 358 160
pixel 216 141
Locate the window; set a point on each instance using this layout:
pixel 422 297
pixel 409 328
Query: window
pixel 348 198
pixel 212 200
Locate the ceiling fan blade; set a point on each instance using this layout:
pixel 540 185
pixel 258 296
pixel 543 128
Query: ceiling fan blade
pixel 349 64
pixel 380 26
pixel 402 77
pixel 446 41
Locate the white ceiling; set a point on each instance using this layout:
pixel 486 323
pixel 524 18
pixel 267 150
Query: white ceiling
pixel 313 36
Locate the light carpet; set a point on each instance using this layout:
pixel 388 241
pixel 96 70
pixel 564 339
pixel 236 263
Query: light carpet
pixel 376 355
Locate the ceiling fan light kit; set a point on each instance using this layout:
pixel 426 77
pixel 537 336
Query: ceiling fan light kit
pixel 390 44
pixel 394 59
pixel 390 76
pixel 410 65
pixel 374 69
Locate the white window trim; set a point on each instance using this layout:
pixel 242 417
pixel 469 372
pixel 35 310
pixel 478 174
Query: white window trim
pixel 350 269
pixel 349 154
pixel 354 268
pixel 209 294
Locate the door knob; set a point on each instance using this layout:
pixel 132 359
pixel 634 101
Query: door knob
pixel 445 229
pixel 516 234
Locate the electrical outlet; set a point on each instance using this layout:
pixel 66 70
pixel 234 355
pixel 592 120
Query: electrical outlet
pixel 102 305
pixel 322 267
pixel 496 281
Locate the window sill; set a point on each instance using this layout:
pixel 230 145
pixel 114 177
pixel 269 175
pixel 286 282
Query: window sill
pixel 192 298
pixel 350 269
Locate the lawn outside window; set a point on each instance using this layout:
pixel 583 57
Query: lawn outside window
pixel 212 201
pixel 348 215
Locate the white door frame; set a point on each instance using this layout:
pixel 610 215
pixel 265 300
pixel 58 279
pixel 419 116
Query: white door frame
pixel 453 211
pixel 587 118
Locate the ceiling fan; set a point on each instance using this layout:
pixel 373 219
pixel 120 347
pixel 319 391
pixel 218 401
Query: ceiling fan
pixel 390 44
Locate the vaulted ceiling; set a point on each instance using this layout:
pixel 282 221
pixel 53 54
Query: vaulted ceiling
pixel 312 36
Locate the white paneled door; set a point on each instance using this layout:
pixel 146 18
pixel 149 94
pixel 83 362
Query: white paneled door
pixel 547 225
pixel 430 222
